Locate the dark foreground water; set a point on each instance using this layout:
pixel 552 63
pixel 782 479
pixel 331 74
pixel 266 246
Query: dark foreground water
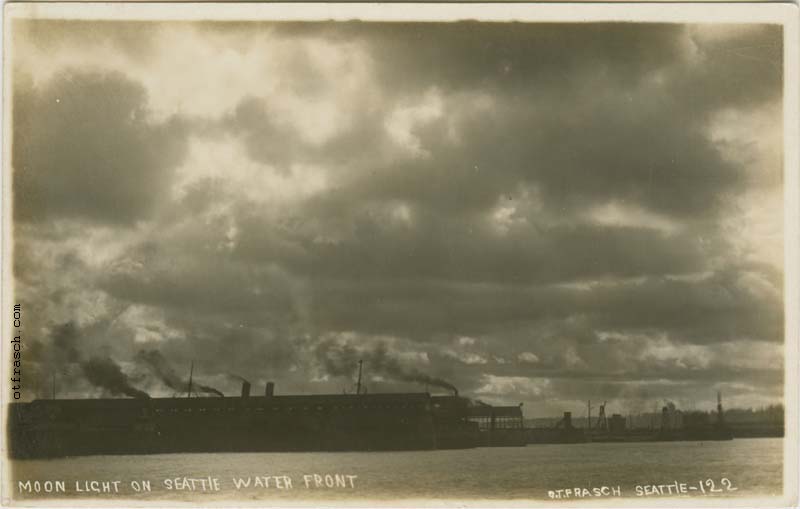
pixel 752 467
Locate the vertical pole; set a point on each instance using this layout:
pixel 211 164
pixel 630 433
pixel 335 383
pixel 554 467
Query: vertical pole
pixel 358 384
pixel 54 386
pixel 589 415
pixel 191 372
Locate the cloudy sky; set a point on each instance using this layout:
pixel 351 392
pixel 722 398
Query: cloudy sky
pixel 535 213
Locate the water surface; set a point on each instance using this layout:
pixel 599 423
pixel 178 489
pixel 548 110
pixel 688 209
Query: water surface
pixel 754 467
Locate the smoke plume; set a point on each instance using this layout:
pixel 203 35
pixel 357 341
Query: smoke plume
pixel 341 359
pixel 105 373
pixel 101 372
pixel 154 360
pixel 65 339
pixel 238 378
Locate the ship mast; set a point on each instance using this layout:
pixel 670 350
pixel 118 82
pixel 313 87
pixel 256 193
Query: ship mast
pixel 191 372
pixel 358 384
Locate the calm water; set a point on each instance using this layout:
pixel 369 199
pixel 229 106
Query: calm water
pixel 754 466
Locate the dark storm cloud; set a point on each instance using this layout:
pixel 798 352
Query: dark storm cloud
pixel 84 147
pixel 519 57
pixel 713 310
pixel 162 272
pixel 578 149
pixel 457 288
pixel 540 211
pixel 464 250
pixel 265 138
pixel 588 112
pixel 250 323
pixel 475 55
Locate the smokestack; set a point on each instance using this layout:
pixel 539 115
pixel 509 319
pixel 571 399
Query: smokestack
pixel 455 392
pixel 245 389
pixel 270 391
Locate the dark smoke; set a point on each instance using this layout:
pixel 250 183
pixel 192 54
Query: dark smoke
pixel 161 368
pixel 65 339
pixel 342 360
pixel 105 373
pixel 101 372
pixel 238 378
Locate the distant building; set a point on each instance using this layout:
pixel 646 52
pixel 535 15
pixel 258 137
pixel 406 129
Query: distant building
pixel 695 420
pixel 498 425
pixel 496 417
pixel 616 425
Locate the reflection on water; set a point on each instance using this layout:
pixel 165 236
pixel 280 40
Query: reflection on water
pixel 753 466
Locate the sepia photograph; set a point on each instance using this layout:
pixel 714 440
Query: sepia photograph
pixel 408 255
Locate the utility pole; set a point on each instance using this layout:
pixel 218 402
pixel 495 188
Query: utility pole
pixel 358 384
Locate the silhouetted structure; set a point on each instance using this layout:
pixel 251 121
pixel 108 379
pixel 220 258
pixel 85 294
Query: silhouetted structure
pixel 498 425
pixel 616 425
pixel 602 422
pixel 674 425
pixel 562 433
pixel 678 425
pixel 48 428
